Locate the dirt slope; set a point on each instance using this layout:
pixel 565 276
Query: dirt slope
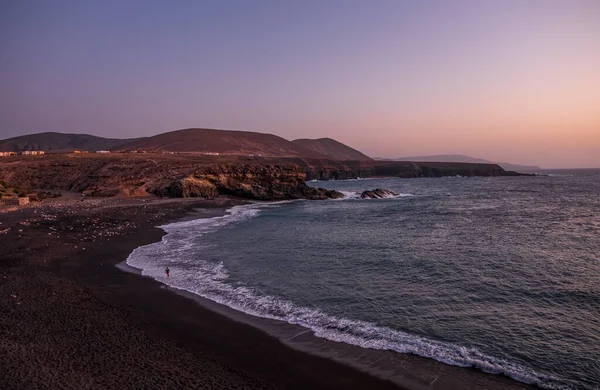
pixel 221 141
pixel 332 148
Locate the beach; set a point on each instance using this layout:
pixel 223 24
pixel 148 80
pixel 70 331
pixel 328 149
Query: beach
pixel 73 319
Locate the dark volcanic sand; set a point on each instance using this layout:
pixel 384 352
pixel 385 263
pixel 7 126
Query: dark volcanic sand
pixel 71 319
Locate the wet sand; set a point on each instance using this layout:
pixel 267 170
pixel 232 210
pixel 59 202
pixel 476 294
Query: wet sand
pixel 72 319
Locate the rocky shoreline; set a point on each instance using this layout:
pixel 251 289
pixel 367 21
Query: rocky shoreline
pixel 130 175
pixel 185 176
pixel 342 170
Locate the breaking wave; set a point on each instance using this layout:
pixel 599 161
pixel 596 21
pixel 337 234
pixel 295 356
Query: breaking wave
pixel 179 250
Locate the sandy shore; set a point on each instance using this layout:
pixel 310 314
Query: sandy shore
pixel 72 319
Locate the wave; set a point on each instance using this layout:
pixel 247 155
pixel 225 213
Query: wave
pixel 350 195
pixel 208 278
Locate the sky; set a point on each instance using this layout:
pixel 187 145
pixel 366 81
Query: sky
pixel 505 80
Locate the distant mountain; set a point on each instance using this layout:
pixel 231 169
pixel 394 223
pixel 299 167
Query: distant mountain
pixel 465 159
pixel 222 142
pixel 60 142
pixel 332 148
pixel 444 158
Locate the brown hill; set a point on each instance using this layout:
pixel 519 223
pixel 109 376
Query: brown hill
pixel 227 142
pixel 332 148
pixel 57 142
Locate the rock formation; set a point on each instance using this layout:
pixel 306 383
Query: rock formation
pixel 377 193
pixel 341 170
pixel 185 175
pixel 163 175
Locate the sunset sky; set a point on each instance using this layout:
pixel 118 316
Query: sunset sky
pixel 504 80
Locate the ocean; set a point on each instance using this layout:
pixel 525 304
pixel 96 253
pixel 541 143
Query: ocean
pixel 501 274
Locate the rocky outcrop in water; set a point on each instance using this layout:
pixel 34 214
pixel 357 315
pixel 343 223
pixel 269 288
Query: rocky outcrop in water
pixel 320 193
pixel 377 193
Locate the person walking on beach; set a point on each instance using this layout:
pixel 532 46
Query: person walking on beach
pixel 168 272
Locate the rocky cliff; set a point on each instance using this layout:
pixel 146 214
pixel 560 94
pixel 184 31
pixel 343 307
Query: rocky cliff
pixel 316 169
pixel 179 175
pixel 161 175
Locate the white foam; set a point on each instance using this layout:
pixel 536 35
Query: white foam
pixel 178 249
pixel 350 194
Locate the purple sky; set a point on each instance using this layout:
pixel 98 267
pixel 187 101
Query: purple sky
pixel 505 80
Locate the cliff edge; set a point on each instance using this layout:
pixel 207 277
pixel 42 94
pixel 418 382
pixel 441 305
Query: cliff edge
pixel 161 175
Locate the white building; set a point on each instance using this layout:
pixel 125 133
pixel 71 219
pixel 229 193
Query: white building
pixel 32 152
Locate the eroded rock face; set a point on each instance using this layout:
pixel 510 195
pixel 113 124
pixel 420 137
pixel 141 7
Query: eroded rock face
pixel 377 193
pixel 340 170
pixel 165 176
pixel 255 187
pixel 188 187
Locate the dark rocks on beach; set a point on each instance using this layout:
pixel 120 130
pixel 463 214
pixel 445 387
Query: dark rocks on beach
pixel 377 193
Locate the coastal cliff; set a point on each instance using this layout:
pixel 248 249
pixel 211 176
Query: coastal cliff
pixel 341 170
pixel 187 175
pixel 162 175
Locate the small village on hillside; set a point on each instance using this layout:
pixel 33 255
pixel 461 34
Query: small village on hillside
pixel 41 152
pixel 77 151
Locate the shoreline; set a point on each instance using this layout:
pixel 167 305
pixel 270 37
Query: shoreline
pixel 76 319
pixel 73 320
pixel 405 370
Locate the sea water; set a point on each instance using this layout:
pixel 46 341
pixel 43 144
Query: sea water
pixel 501 274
